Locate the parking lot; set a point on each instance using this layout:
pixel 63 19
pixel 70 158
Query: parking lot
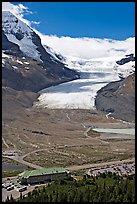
pixel 15 192
pixel 118 169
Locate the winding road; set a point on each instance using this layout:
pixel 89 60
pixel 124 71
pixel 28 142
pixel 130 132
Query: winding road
pixel 20 159
pixel 73 167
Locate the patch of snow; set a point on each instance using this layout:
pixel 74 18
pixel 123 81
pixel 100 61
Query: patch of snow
pixel 14 67
pixel 5 55
pixel 108 114
pixel 26 62
pixel 20 62
pixel 4 87
pixel 3 62
pixel 125 69
pixel 54 60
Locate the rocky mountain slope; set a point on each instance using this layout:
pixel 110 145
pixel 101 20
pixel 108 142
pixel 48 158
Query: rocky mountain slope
pixel 127 59
pixel 15 102
pixel 26 63
pixel 117 99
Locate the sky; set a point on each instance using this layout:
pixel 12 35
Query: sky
pixel 114 20
pixel 82 30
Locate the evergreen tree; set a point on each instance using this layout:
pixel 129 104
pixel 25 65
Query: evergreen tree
pixel 11 198
pixel 109 189
pixel 7 199
pixel 21 196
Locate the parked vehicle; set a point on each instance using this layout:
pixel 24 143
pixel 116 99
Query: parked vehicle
pixel 7 185
pixel 10 188
pixel 22 188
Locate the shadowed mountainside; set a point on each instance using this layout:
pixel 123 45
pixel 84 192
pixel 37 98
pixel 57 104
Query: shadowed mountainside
pixel 118 98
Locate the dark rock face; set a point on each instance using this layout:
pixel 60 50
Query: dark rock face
pixel 126 60
pixel 55 67
pixel 118 98
pixel 30 77
pixel 10 47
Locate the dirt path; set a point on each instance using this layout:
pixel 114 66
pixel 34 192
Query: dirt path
pixel 88 137
pixel 5 142
pixel 20 160
pixel 71 168
pixel 37 150
pixel 86 132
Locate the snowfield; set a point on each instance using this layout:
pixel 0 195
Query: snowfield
pixel 81 93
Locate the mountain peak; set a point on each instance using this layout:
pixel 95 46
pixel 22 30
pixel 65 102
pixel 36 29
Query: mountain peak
pixel 19 33
pixel 43 67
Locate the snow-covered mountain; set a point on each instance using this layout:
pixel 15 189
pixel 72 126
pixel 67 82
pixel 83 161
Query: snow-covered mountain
pixel 29 65
pixel 20 34
pixel 38 68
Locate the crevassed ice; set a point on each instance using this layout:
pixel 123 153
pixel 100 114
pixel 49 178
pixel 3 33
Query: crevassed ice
pixel 81 93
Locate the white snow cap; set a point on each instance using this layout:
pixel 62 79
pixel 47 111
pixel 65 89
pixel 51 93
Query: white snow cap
pixel 11 26
pixel 17 10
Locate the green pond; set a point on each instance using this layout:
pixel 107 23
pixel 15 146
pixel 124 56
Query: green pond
pixel 128 131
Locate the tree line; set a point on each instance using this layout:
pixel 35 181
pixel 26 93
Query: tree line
pixel 103 188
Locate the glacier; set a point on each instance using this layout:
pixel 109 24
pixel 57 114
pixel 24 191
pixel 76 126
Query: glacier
pixel 80 94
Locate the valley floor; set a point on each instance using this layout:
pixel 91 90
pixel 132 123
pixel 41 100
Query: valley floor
pixel 47 138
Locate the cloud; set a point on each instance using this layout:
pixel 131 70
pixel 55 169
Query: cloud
pixel 35 22
pixel 88 48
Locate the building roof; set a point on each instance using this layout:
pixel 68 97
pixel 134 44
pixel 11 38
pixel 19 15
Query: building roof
pixel 43 171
